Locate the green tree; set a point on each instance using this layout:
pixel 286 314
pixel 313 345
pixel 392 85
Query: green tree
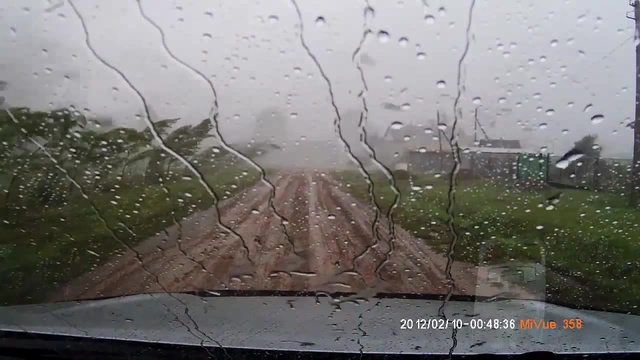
pixel 185 140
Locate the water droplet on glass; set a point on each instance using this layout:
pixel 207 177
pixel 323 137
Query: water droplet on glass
pixel 554 43
pixel 206 36
pixel 442 126
pixel 542 126
pixel 383 36
pixel 502 100
pixel 320 21
pixel 255 211
pixel 597 119
pixel 588 107
pixel 369 13
pixel 331 217
pixel 403 41
pixel 421 56
pixel 539 227
pixel 429 19
pixel 422 150
pixel 428 131
pixel 565 131
pixel 550 112
pixel 407 138
pixel 405 106
pixel 387 78
pixel 273 19
pixel 477 100
pixel 442 11
pixel 570 104
pixel 543 59
pixel 441 84
pixel 397 125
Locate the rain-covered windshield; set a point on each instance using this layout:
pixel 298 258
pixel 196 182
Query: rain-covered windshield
pixel 476 147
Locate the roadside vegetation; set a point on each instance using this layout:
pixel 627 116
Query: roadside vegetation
pixel 587 239
pixel 73 192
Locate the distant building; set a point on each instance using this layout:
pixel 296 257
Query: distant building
pixel 420 146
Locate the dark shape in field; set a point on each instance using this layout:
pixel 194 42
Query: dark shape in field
pixel 392 107
pixel 571 156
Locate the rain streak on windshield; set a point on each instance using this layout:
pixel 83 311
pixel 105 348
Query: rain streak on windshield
pixel 476 148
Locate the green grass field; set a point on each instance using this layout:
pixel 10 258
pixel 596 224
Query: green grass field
pixel 589 239
pixel 43 248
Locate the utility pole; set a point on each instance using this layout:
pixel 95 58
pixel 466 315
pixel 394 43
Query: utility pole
pixel 634 199
pixel 439 130
pixel 439 139
pixel 475 128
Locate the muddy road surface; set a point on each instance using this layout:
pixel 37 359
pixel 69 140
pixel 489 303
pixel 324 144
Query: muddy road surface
pixel 319 238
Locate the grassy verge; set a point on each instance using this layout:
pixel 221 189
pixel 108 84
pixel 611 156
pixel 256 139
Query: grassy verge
pixel 588 239
pixel 43 248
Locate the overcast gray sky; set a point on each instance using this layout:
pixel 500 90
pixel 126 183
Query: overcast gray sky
pixel 525 57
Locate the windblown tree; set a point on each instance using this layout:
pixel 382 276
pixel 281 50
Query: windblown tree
pixel 185 140
pixel 36 146
pixel 588 146
pixel 31 142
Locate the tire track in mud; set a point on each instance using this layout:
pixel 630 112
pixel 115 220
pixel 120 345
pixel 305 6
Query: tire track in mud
pixel 322 236
pixel 272 244
pixel 350 240
pixel 124 275
pixel 223 255
pixel 171 266
pixel 285 262
pixel 419 271
pixel 229 262
pixel 402 273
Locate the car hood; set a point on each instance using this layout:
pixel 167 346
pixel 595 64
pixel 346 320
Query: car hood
pixel 318 324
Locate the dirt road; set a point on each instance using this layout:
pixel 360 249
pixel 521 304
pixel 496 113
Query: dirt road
pixel 326 228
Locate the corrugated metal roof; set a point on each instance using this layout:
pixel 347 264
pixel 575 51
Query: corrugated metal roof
pixel 500 143
pixel 494 150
